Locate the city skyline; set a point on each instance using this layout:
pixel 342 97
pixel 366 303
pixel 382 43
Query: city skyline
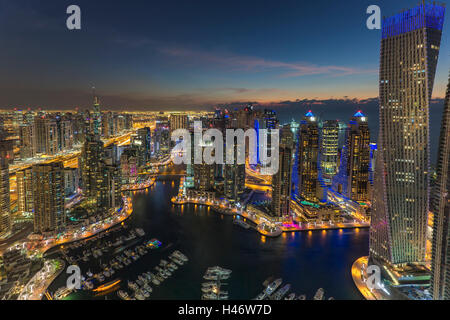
pixel 228 170
pixel 125 53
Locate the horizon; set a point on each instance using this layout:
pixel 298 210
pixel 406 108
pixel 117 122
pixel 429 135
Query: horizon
pixel 216 54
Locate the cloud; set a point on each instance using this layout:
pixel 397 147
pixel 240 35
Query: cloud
pixel 256 64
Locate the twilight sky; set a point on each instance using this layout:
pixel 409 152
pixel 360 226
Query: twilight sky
pixel 145 54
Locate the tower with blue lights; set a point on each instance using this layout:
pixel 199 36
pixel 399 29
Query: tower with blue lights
pixel 352 180
pixel 409 53
pixel 308 155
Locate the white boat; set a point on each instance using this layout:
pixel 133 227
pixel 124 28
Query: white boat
pixel 123 295
pixel 140 232
pixel 282 292
pixel 273 286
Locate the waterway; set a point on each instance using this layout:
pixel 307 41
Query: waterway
pixel 306 260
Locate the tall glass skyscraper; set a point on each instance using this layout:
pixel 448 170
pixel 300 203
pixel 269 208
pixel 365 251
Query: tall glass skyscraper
pixel 440 206
pixel 5 218
pixel 352 180
pixel 48 197
pixel 409 54
pixel 281 181
pixel 329 149
pixel 308 155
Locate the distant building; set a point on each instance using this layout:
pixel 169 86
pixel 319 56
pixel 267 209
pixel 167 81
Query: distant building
pixel 112 155
pixel 234 176
pixel 24 180
pixel 178 121
pixel 352 179
pixel 142 141
pixel 65 133
pixel 96 118
pixel 204 176
pixel 308 155
pixel 329 145
pixel 440 206
pixel 129 164
pixel 91 164
pixel 46 135
pixel 161 144
pixel 27 137
pixel 5 207
pixel 71 181
pixel 281 181
pixel 48 197
pixel 112 184
pixel 108 125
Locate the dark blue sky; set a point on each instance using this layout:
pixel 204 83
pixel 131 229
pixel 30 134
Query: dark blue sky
pixel 192 54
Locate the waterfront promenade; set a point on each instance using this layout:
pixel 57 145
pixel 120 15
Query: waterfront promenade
pixel 359 278
pixel 37 286
pixel 277 229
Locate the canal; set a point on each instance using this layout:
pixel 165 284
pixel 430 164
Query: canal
pixel 306 260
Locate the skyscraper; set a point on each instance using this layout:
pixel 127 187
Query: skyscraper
pixel 308 152
pixel 46 135
pixel 352 179
pixel 329 149
pixel 5 218
pixel 204 173
pixel 129 164
pixel 234 176
pixel 27 136
pixel 440 206
pixel 97 117
pixel 25 190
pixel 281 181
pixel 91 159
pixel 143 142
pixel 48 197
pixel 409 53
pixel 178 121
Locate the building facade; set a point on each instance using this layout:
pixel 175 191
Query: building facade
pixel 329 145
pixel 409 53
pixel 282 180
pixel 352 180
pixel 25 190
pixel 440 206
pixel 308 152
pixel 5 207
pixel 48 197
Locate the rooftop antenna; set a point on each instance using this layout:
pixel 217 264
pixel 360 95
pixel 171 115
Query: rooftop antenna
pixel 95 96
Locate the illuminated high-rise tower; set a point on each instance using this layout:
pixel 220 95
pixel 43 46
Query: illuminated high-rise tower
pixel 178 121
pixel 352 179
pixel 281 181
pixel 48 197
pixel 329 149
pixel 5 218
pixel 97 117
pixel 25 190
pixel 308 152
pixel 409 53
pixel 440 206
pixel 92 156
